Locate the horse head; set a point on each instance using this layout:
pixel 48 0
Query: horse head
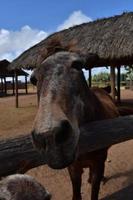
pixel 62 90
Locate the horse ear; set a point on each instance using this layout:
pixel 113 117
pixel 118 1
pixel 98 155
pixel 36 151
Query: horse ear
pixel 33 79
pixel 88 59
pixel 77 64
pixel 84 60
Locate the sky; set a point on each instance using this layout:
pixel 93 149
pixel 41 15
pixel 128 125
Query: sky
pixel 24 23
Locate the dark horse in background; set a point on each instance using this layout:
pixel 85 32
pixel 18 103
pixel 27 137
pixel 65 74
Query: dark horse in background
pixel 67 103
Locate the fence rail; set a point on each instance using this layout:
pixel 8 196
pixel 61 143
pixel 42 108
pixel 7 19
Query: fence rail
pixel 17 155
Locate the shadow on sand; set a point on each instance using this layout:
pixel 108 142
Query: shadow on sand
pixel 123 194
pixel 126 193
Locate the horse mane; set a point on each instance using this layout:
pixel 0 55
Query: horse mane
pixel 55 45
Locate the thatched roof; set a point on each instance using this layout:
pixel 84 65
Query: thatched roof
pixel 6 72
pixel 111 39
pixel 3 64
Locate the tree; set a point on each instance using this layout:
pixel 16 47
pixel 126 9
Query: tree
pixel 129 75
pixel 103 77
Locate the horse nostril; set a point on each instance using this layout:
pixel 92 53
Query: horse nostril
pixel 47 196
pixel 38 140
pixel 62 132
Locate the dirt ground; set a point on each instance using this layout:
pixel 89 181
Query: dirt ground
pixel 119 171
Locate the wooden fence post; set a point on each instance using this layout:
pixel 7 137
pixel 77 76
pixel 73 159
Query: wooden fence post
pixel 16 89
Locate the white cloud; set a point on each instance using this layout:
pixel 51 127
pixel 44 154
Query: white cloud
pixel 13 43
pixel 77 17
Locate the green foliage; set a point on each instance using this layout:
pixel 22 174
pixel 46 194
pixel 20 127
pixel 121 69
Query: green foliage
pixel 123 77
pixel 129 72
pixel 101 77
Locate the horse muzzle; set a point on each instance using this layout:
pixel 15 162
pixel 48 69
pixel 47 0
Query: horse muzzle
pixel 58 145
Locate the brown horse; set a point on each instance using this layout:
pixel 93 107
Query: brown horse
pixel 66 104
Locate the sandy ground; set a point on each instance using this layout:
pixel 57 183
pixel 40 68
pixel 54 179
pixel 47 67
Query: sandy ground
pixel 119 171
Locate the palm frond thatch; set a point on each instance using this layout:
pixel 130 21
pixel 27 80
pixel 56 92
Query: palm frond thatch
pixel 5 70
pixel 111 39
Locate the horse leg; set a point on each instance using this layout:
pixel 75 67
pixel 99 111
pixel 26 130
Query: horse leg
pixel 90 175
pixel 104 179
pixel 75 173
pixel 97 175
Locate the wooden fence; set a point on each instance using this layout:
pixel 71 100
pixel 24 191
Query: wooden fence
pixel 17 155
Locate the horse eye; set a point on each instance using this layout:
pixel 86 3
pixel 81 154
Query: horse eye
pixel 77 65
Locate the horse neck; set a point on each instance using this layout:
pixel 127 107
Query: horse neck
pixel 93 108
pixel 89 111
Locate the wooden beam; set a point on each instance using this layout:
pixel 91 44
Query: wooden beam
pixel 112 80
pixel 100 134
pixel 16 89
pixel 17 155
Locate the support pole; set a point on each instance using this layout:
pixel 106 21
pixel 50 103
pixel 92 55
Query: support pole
pixel 13 85
pixel 2 85
pixel 16 89
pixel 90 78
pixel 5 86
pixel 112 79
pixel 118 84
pixel 26 89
